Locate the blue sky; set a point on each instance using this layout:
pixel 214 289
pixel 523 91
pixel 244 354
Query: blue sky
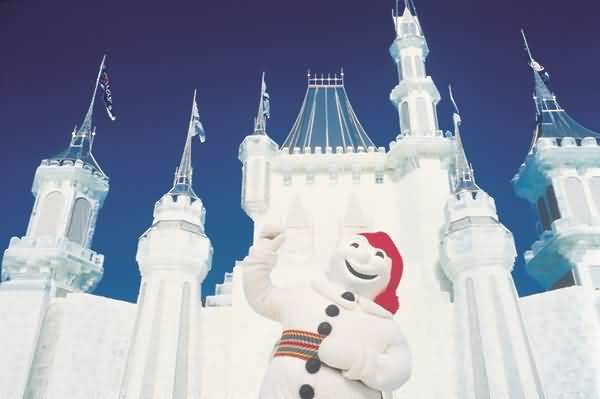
pixel 158 52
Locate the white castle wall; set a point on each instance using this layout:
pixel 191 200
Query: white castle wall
pixel 565 337
pixel 81 351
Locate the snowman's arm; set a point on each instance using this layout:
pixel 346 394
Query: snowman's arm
pixel 265 298
pixel 384 371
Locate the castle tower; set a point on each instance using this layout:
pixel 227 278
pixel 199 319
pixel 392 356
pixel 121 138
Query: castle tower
pixel 174 256
pixel 494 357
pixel 561 179
pixel 69 190
pixel 416 95
pixel 255 153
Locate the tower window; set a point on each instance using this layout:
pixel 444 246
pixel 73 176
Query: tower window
pixel 419 68
pixel 595 190
pixel 543 214
pixel 595 277
pixel 578 205
pixel 552 204
pixel 405 117
pixel 50 212
pixel 407 66
pixel 423 115
pixel 80 221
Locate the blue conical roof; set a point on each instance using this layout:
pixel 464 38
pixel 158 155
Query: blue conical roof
pixel 552 119
pixel 327 119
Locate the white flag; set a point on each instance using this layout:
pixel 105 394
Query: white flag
pixel 196 128
pixel 266 99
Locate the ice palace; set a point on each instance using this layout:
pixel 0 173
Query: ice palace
pixel 470 334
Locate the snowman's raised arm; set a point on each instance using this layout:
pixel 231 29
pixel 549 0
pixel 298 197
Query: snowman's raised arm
pixel 266 299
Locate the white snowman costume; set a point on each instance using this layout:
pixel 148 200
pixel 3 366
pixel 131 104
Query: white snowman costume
pixel 336 342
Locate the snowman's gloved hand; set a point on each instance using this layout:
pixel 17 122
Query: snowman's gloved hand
pixel 265 298
pixel 339 354
pixel 264 250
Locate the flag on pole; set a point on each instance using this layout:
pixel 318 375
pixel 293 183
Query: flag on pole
pixel 536 66
pixel 196 128
pixel 266 99
pixel 104 83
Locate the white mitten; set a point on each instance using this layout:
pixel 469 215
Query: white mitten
pixel 264 251
pixel 339 354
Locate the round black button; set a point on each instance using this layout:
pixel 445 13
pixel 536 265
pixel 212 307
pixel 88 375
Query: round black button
pixel 348 296
pixel 313 365
pixel 306 392
pixel 324 328
pixel 332 310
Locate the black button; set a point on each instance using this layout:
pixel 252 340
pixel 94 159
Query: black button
pixel 313 365
pixel 306 392
pixel 348 296
pixel 324 328
pixel 332 310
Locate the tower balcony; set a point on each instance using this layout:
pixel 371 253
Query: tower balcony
pixel 71 266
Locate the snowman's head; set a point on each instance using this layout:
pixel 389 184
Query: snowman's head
pixel 369 265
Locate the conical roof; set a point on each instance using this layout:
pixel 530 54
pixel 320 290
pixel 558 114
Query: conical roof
pixel 552 119
pixel 327 119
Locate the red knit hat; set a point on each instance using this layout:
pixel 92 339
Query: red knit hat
pixel 387 299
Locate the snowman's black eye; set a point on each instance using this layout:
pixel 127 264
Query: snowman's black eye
pixel 380 254
pixel 355 245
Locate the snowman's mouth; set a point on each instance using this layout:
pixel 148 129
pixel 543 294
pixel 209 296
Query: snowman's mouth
pixel 359 274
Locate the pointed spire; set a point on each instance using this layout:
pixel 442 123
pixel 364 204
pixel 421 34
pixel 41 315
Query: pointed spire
pixel 182 184
pixel 465 178
pixel 552 119
pixel 264 109
pixel 80 147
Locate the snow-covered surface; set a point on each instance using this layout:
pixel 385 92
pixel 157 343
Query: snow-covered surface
pixel 565 336
pixel 81 350
pixel 21 315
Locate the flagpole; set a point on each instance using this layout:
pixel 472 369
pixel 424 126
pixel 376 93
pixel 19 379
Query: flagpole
pixel 86 126
pixel 526 45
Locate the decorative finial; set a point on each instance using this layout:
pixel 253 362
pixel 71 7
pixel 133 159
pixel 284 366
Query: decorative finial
pixel 264 108
pixel 183 175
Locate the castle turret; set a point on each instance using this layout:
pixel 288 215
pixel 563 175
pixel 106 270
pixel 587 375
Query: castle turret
pixel 255 153
pixel 174 256
pixel 561 179
pixel 416 95
pixel 495 359
pixel 69 190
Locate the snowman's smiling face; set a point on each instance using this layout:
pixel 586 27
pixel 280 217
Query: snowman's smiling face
pixel 359 267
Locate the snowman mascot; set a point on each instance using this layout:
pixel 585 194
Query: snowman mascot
pixel 339 338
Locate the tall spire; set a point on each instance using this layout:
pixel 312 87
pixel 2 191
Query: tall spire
pixel 80 147
pixel 465 178
pixel 264 109
pixel 552 120
pixel 182 184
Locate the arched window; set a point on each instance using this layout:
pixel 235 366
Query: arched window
pixel 543 213
pixel 49 214
pixel 552 203
pixel 407 65
pixel 423 115
pixel 419 68
pixel 595 190
pixel 405 117
pixel 580 211
pixel 80 221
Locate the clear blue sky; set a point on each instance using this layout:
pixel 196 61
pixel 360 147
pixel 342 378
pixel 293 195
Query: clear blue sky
pixel 159 51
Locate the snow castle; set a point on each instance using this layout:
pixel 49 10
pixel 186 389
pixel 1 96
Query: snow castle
pixel 471 336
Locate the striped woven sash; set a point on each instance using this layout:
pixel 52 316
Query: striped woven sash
pixel 297 343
